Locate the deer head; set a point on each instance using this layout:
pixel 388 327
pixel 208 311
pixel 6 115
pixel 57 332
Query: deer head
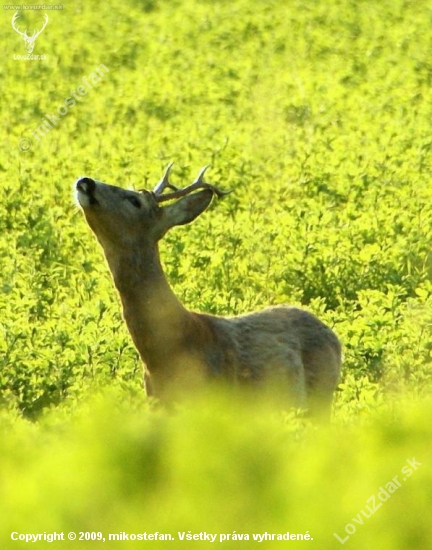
pixel 28 40
pixel 124 218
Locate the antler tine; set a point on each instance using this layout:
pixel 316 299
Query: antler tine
pixel 201 173
pixel 16 28
pixel 199 183
pixel 46 19
pixel 164 182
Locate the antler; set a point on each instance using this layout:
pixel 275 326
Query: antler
pixel 37 33
pixel 24 34
pixel 164 181
pixel 199 183
pixel 14 18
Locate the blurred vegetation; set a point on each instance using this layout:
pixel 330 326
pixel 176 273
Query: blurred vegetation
pixel 317 116
pixel 219 466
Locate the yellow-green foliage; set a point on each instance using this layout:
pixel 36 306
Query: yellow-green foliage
pixel 317 116
pixel 221 467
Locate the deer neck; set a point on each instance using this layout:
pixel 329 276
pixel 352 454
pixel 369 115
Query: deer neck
pixel 153 314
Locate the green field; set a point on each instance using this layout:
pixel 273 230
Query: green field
pixel 317 115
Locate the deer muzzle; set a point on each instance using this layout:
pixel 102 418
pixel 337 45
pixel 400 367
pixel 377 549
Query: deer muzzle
pixel 86 192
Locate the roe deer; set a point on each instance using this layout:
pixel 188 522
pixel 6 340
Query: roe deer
pixel 283 345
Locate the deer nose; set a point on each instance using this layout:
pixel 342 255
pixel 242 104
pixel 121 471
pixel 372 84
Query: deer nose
pixel 86 185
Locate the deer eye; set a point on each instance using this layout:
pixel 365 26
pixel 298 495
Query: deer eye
pixel 134 201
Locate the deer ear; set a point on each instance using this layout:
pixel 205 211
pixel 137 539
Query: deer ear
pixel 186 209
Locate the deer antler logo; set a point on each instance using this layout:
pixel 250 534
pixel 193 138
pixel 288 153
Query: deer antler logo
pixel 28 40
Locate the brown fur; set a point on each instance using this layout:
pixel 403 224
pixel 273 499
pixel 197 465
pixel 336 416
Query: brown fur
pixel 283 348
